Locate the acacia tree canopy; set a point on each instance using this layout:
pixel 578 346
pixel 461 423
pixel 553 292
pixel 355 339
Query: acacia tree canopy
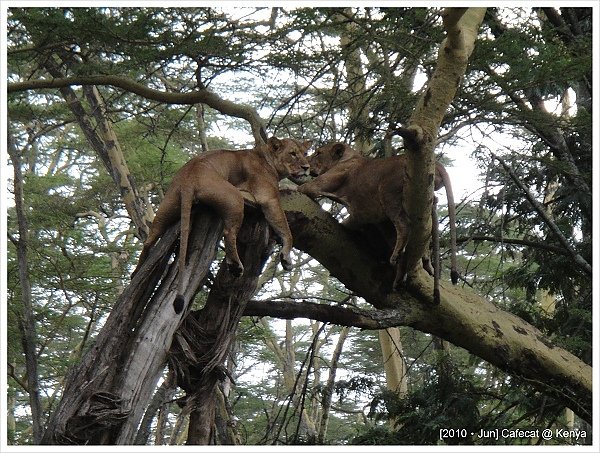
pixel 159 85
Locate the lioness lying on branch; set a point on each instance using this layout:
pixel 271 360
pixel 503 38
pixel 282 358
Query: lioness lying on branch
pixel 373 191
pixel 218 179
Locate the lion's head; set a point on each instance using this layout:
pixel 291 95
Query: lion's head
pixel 289 156
pixel 327 156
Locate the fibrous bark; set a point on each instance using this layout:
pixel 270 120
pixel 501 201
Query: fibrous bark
pixel 106 394
pixel 205 338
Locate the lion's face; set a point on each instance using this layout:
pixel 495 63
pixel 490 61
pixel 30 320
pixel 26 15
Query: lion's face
pixel 326 157
pixel 289 156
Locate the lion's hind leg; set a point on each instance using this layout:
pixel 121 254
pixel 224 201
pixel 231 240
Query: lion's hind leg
pixel 229 204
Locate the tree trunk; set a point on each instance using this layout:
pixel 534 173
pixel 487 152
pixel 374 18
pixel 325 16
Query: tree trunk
pixel 27 318
pixel 393 361
pixel 106 393
pixel 328 389
pixel 118 165
pixel 204 340
pixel 226 432
pixel 162 395
pixel 421 135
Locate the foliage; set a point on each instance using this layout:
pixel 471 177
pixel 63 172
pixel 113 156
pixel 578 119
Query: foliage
pixel 526 98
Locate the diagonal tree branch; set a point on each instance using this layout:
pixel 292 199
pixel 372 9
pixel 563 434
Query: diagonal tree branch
pixel 463 317
pixel 104 141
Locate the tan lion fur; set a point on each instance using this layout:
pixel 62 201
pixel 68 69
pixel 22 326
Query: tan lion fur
pixel 217 179
pixel 373 191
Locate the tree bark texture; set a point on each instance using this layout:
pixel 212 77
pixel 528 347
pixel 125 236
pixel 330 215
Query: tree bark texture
pixel 106 394
pixel 103 139
pixel 463 318
pixel 162 395
pixel 393 361
pixel 206 336
pixel 329 386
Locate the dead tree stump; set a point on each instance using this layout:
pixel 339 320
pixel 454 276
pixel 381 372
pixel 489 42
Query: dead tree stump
pixel 105 395
pixel 205 338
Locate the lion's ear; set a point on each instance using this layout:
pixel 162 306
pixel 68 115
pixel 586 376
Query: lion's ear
pixel 306 146
pixel 274 143
pixel 338 150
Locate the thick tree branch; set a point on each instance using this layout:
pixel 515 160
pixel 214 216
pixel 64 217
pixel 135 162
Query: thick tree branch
pixel 341 316
pixel 463 317
pixel 462 25
pixel 193 97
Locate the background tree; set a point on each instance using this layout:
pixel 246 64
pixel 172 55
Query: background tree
pixel 74 146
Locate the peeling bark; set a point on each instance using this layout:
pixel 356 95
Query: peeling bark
pixel 106 394
pixel 202 344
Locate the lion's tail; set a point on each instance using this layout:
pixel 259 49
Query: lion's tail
pixel 452 218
